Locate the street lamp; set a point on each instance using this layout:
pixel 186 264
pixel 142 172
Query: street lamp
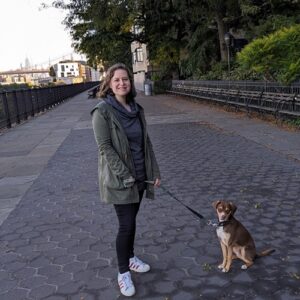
pixel 227 39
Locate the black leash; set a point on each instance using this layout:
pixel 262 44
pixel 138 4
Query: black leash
pixel 186 206
pixel 209 222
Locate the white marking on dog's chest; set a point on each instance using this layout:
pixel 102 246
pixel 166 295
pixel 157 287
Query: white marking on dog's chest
pixel 222 235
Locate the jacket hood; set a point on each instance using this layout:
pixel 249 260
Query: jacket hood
pixel 111 100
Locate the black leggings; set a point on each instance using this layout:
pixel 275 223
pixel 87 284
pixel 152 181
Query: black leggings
pixel 125 238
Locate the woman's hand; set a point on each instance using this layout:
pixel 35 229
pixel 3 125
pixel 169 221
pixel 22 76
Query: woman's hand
pixel 157 182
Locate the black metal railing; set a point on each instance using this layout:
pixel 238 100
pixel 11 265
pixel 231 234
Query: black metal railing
pixel 242 85
pixel 18 105
pixel 276 99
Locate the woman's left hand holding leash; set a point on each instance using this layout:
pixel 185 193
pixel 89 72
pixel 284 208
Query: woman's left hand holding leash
pixel 157 182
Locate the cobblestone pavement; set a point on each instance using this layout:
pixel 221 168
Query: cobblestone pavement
pixel 58 242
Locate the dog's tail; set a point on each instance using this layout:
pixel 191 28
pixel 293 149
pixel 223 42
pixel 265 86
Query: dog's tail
pixel 265 252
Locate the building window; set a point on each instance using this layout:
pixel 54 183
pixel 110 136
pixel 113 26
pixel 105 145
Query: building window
pixel 138 55
pixel 62 74
pixel 137 29
pixel 62 68
pixel 139 52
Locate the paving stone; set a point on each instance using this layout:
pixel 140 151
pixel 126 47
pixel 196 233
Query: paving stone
pixel 97 283
pixel 218 281
pixel 183 296
pixel 8 258
pixel 164 287
pixel 60 278
pixel 4 274
pixel 19 242
pixel 78 249
pixel 185 262
pixel 55 298
pixel 24 273
pixel 85 276
pixel 64 259
pixel 31 256
pixel 39 262
pixel 17 293
pixel 175 274
pixel 7 285
pixel 42 291
pixel 97 263
pixel 67 243
pixel 14 266
pixel 49 270
pixel 69 288
pixel 33 281
pixel 192 283
pixel 85 296
pixel 74 267
pixel 87 256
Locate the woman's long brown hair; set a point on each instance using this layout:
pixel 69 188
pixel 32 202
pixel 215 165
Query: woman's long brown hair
pixel 105 88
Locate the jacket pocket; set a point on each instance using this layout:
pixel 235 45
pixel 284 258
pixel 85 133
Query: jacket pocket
pixel 111 180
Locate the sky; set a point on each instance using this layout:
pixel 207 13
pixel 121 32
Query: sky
pixel 28 31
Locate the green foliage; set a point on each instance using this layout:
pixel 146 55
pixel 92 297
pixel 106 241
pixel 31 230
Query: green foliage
pixel 276 56
pixel 293 122
pixel 13 86
pixel 219 71
pixel 167 58
pixel 52 72
pixel 185 39
pixel 271 24
pixel 161 86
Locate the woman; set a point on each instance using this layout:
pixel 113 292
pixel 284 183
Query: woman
pixel 126 161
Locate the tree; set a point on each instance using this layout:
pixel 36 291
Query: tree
pixel 276 56
pixel 185 38
pixel 52 72
pixel 100 29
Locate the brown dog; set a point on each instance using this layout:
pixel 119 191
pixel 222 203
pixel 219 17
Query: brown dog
pixel 235 240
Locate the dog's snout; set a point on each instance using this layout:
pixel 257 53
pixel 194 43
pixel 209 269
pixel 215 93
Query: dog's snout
pixel 222 216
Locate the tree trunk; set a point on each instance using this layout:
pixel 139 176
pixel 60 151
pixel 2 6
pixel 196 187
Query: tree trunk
pixel 221 33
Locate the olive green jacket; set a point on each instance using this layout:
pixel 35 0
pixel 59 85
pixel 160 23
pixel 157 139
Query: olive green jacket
pixel 115 162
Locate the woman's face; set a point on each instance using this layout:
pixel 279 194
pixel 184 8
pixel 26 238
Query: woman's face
pixel 120 83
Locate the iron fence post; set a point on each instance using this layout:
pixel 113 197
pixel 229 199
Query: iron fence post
pixel 16 106
pixel 36 96
pixel 24 101
pixel 31 102
pixel 6 110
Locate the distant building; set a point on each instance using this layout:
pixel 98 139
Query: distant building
pixel 142 69
pixel 27 64
pixel 66 69
pixel 32 77
pixel 75 72
pixel 140 64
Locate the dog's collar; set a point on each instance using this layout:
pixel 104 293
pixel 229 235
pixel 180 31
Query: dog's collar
pixel 223 223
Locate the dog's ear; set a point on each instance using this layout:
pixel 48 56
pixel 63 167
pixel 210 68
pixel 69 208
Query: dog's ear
pixel 216 203
pixel 233 207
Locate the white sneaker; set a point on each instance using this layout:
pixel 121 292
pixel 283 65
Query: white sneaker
pixel 135 264
pixel 126 285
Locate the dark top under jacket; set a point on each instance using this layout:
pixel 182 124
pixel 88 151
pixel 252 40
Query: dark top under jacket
pixel 132 125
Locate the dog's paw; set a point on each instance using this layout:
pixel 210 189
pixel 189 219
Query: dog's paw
pixel 224 270
pixel 244 267
pixel 220 266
